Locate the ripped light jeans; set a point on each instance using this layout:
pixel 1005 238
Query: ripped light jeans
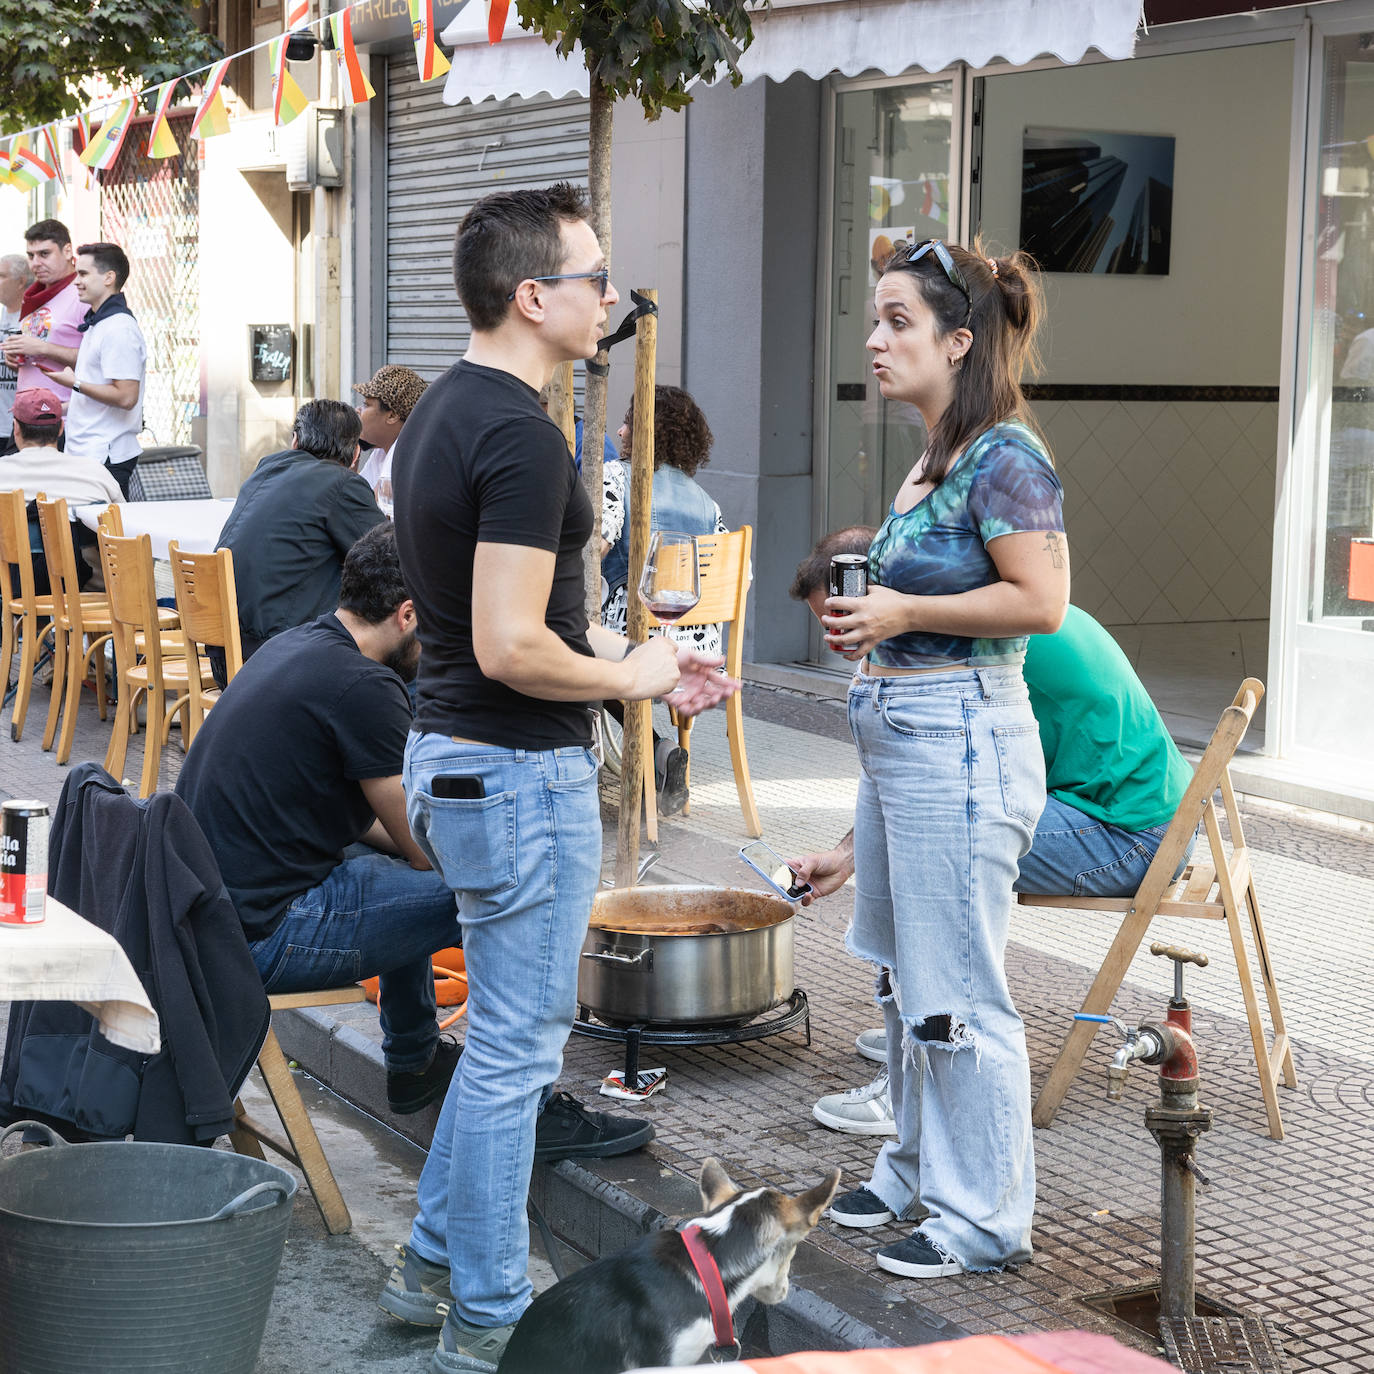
pixel 953 781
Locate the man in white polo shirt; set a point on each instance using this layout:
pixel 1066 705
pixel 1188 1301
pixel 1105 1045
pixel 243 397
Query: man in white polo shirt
pixel 105 412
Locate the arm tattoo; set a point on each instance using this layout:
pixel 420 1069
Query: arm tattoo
pixel 1054 546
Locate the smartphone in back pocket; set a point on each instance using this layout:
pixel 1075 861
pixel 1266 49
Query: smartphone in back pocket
pixel 456 787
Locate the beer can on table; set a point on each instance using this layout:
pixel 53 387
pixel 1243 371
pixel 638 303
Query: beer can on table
pixel 23 862
pixel 849 574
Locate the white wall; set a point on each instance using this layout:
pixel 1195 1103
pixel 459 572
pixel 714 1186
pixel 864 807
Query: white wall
pixel 1216 318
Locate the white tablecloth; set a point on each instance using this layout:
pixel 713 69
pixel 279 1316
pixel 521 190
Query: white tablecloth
pixel 67 959
pixel 195 525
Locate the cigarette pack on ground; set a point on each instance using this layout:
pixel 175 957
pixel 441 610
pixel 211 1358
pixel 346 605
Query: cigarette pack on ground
pixel 650 1081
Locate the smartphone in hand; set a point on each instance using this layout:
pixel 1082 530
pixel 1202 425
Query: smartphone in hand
pixel 775 871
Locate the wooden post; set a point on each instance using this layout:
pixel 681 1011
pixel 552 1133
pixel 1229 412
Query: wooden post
pixel 638 715
pixel 561 403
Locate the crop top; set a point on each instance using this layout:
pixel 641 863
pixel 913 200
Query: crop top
pixel 1004 483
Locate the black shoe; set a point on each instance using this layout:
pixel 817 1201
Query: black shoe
pixel 670 773
pixel 916 1258
pixel 411 1092
pixel 860 1208
pixel 567 1130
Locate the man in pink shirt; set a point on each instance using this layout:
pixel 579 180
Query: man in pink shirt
pixel 51 312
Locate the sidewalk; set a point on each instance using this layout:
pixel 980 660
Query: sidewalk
pixel 1283 1231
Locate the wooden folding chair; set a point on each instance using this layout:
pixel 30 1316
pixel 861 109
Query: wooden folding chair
pixel 1220 890
pixel 723 560
pixel 76 618
pixel 208 605
pixel 301 1146
pixel 144 645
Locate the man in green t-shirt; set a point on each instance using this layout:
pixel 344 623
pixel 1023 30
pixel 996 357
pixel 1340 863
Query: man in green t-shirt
pixel 1113 777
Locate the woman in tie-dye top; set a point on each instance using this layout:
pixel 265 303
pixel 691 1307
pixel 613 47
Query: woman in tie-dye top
pixel 970 561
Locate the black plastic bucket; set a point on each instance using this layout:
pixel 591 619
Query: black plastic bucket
pixel 126 1256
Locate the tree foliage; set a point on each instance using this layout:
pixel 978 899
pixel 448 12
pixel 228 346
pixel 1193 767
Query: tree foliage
pixel 647 49
pixel 50 47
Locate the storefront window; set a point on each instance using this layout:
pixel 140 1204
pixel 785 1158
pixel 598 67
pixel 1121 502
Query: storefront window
pixel 893 184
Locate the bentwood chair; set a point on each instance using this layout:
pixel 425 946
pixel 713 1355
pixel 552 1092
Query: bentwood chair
pixel 207 604
pixel 144 646
pixel 723 561
pixel 81 628
pixel 21 605
pixel 1220 887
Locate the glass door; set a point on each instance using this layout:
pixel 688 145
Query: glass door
pixel 1327 722
pixel 894 180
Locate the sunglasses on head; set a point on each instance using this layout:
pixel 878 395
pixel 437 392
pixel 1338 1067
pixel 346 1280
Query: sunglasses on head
pixel 601 277
pixel 942 255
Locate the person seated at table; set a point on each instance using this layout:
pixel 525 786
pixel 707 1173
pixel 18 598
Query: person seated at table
pixel 38 465
pixel 1113 775
pixel 300 760
pixel 296 517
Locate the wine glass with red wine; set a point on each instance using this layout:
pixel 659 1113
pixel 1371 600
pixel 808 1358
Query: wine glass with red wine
pixel 671 582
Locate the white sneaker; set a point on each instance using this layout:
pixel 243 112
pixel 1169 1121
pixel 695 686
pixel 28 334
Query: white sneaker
pixel 860 1111
pixel 872 1044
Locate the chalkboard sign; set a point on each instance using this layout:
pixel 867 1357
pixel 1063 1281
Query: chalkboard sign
pixel 272 349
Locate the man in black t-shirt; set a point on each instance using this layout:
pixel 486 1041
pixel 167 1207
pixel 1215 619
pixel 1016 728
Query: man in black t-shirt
pixel 300 759
pixel 501 782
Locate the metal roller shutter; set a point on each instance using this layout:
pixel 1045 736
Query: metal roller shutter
pixel 440 160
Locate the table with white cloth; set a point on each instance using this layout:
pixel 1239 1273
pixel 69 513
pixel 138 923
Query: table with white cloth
pixel 65 958
pixel 195 525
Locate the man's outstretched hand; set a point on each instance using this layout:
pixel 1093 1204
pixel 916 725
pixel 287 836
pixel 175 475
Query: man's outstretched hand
pixel 699 685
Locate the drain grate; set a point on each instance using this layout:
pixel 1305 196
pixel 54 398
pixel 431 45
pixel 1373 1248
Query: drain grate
pixel 1223 1345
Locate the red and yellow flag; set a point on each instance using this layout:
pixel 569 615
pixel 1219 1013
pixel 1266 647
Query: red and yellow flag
pixel 288 100
pixel 27 170
pixel 428 58
pixel 496 19
pixel 161 143
pixel 103 147
pixel 211 116
pixel 51 153
pixel 352 78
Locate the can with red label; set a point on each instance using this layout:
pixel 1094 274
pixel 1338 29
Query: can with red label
pixel 23 862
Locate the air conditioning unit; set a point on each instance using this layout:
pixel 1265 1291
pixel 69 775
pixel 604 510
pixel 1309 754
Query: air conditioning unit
pixel 314 149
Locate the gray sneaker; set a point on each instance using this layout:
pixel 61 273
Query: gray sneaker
pixel 872 1044
pixel 416 1291
pixel 471 1349
pixel 860 1111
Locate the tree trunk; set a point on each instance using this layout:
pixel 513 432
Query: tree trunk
pixel 594 402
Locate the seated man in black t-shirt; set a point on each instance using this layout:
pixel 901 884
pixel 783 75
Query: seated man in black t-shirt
pixel 300 759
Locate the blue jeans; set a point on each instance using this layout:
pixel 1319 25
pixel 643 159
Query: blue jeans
pixel 373 914
pixel 526 861
pixel 1077 854
pixel 953 780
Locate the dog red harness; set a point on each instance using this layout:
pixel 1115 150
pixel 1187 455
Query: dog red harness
pixel 723 1324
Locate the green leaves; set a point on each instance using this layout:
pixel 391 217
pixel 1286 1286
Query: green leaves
pixel 52 47
pixel 650 50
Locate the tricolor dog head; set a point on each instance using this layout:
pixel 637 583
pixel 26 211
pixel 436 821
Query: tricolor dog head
pixel 756 1231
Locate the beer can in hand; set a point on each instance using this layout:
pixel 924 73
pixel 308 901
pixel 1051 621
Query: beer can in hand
pixel 23 862
pixel 849 574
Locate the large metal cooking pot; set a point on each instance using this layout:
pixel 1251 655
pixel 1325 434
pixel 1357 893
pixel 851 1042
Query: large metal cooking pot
pixel 678 955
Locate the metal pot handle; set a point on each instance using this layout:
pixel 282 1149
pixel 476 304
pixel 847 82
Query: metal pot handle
pixel 240 1203
pixel 53 1137
pixel 641 958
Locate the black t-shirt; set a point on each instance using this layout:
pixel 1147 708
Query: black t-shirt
pixel 295 519
pixel 274 774
pixel 480 462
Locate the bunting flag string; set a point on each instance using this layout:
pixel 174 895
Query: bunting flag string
pixel 297 14
pixel 52 153
pixel 4 166
pixel 430 60
pixel 496 19
pixel 103 147
pixel 161 142
pixel 211 116
pixel 352 78
pixel 27 170
pixel 288 100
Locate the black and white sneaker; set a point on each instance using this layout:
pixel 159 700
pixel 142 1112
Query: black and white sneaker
pixel 670 773
pixel 413 1092
pixel 916 1258
pixel 862 1209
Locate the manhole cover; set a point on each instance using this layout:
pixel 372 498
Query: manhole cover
pixel 1222 1345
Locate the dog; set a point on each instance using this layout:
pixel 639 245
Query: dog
pixel 646 1306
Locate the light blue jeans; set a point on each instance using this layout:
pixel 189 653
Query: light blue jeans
pixel 525 861
pixel 953 780
pixel 1079 854
pixel 372 915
